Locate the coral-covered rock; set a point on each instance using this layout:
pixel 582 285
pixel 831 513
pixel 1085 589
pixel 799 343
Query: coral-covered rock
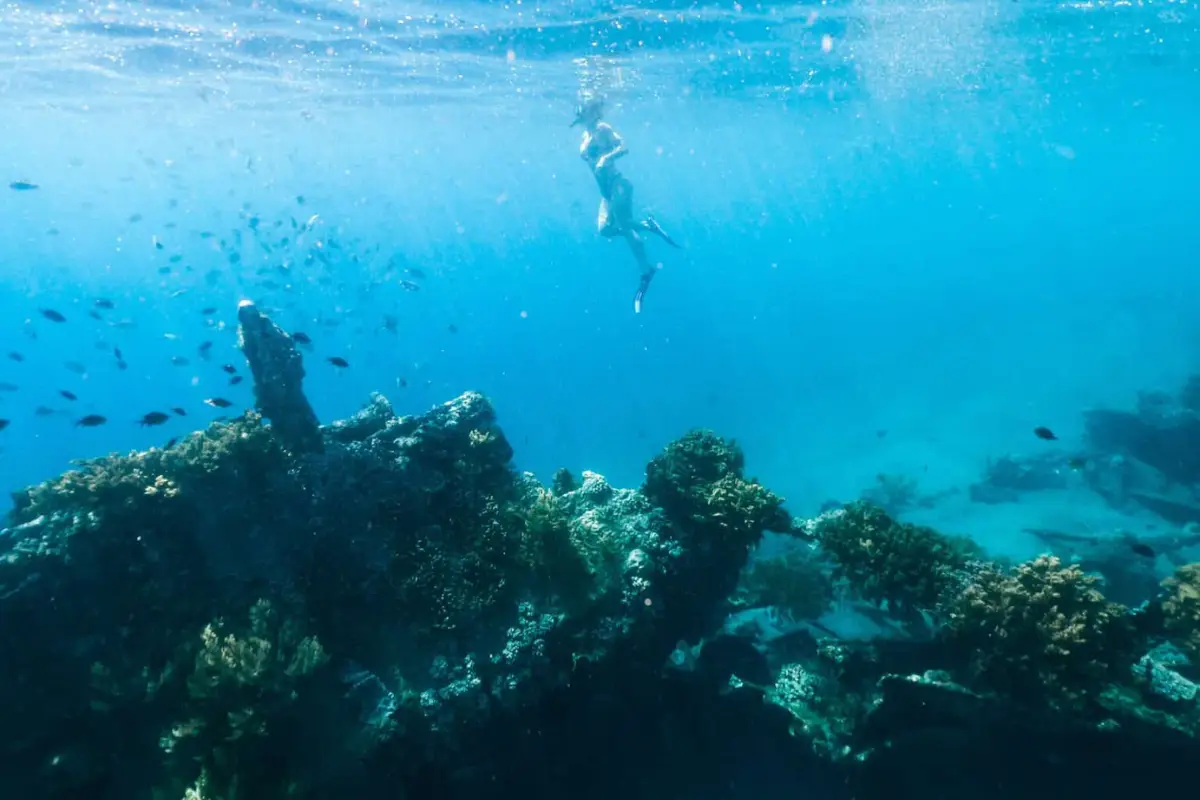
pixel 908 567
pixel 252 615
pixel 1181 608
pixel 278 371
pixel 1039 632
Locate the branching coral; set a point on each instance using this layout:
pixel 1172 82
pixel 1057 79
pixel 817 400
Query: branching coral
pixel 547 548
pixel 564 482
pixel 106 484
pixel 267 655
pixel 242 683
pixel 1041 631
pixel 698 479
pixel 906 566
pixel 1181 608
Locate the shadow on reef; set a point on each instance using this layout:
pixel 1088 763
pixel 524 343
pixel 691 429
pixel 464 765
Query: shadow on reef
pixel 384 607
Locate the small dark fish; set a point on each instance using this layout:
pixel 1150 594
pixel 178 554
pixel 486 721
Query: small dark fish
pixel 15 356
pixel 1077 463
pixel 204 349
pixel 410 286
pixel 175 259
pixel 135 217
pixel 121 365
pixel 75 366
pixel 208 312
pixel 229 368
pixel 174 440
pixel 52 315
pixel 69 395
pixel 44 411
pixel 390 323
pixel 94 314
pixel 164 270
pixel 117 353
pixel 235 380
pixel 234 258
pixel 301 338
pixel 416 273
pixel 23 186
pixel 105 303
pixel 402 383
pixel 180 361
pixel 881 433
pixel 91 421
pixel 452 328
pixel 153 418
pixel 3 424
pixel 179 411
pixel 1044 433
pixel 299 199
pixel 158 245
pixel 338 361
pixel 5 386
pixel 218 402
pixel 1143 549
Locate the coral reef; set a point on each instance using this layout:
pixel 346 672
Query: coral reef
pixel 907 567
pixel 1181 608
pixel 1039 632
pixel 252 613
pixel 385 607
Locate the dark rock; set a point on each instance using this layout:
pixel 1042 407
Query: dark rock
pixel 278 372
pixel 1168 442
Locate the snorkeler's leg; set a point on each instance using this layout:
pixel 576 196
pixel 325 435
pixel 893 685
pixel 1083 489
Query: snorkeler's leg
pixel 643 287
pixel 651 224
pixel 604 224
pixel 638 247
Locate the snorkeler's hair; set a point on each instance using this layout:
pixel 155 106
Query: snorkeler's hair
pixel 587 107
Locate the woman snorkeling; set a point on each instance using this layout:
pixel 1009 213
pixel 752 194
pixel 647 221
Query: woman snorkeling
pixel 600 148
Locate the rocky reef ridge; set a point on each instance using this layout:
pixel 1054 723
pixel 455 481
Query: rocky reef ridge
pixel 386 607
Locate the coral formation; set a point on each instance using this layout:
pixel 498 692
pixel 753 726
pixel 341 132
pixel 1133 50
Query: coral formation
pixel 1041 631
pixel 278 371
pixel 907 567
pixel 384 606
pixel 1181 608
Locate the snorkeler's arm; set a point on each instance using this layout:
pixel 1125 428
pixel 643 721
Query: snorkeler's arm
pixel 616 150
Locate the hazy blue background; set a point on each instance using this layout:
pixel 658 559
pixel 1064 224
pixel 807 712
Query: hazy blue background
pixel 962 221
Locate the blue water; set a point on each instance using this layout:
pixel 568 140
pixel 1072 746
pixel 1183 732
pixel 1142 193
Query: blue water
pixel 949 221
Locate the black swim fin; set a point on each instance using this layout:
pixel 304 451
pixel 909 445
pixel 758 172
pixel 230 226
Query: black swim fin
pixel 641 292
pixel 653 226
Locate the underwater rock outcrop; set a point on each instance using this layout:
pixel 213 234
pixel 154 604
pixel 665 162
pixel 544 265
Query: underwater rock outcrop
pixel 1006 478
pixel 385 607
pixel 278 372
pixel 1163 432
pixel 284 610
